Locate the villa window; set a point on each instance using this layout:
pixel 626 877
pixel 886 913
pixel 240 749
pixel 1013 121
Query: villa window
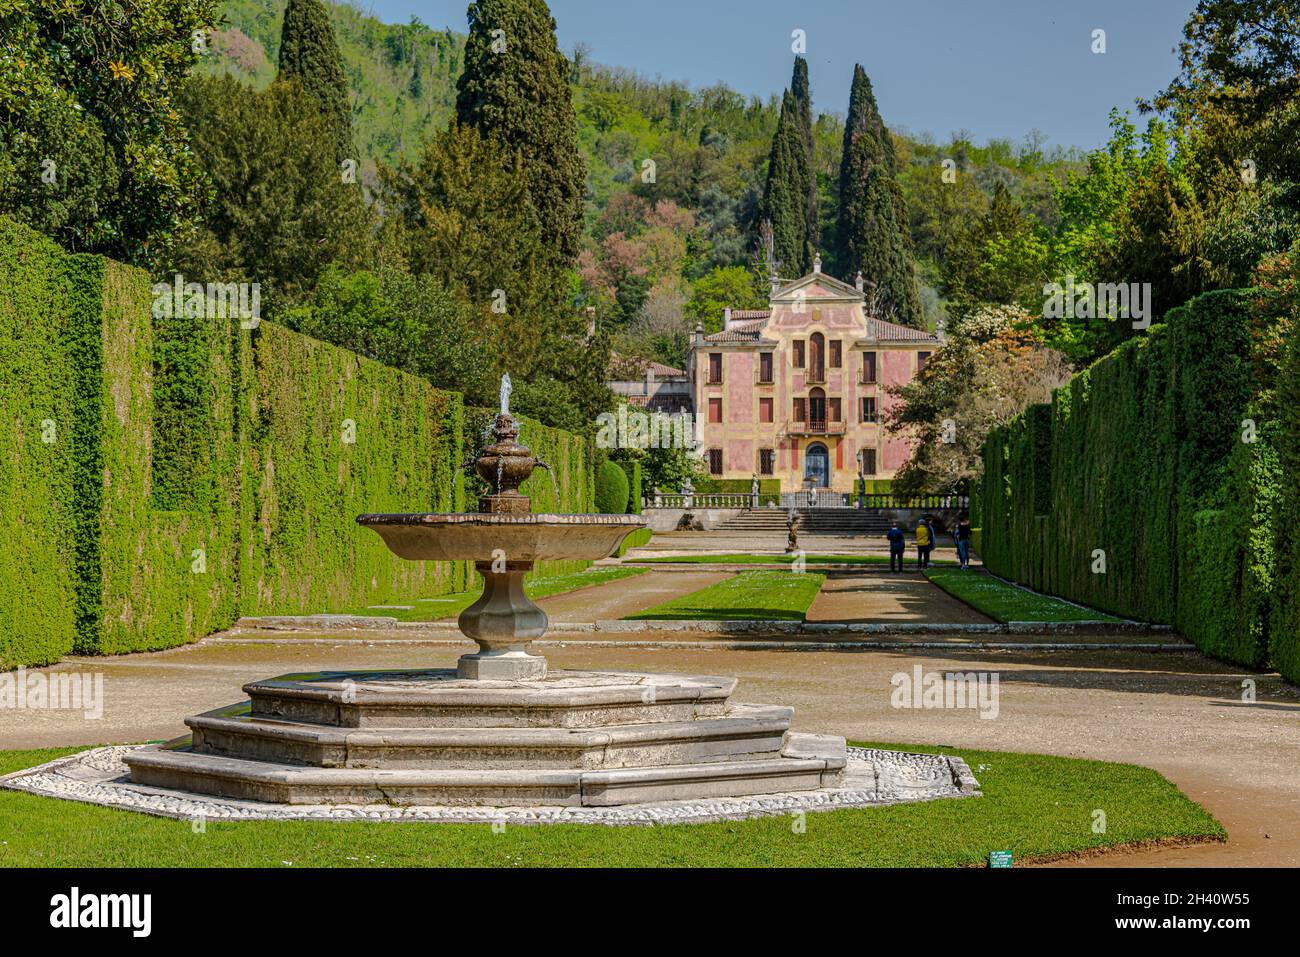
pixel 765 409
pixel 715 461
pixel 715 368
pixel 868 409
pixel 766 461
pixel 837 353
pixel 798 353
pixel 921 358
pixel 765 368
pixel 868 368
pixel 715 410
pixel 868 461
pixel 800 410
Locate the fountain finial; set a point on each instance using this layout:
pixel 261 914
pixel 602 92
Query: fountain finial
pixel 505 393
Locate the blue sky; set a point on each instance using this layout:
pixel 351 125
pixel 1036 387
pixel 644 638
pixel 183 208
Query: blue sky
pixel 997 69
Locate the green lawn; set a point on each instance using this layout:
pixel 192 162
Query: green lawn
pixel 1003 602
pixel 750 559
pixel 769 595
pixel 449 606
pixel 1033 805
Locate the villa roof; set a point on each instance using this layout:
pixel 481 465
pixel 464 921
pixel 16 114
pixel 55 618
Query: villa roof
pixel 878 330
pixel 624 365
pixel 750 331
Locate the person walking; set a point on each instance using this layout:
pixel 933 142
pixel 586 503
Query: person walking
pixel 924 542
pixel 897 545
pixel 962 535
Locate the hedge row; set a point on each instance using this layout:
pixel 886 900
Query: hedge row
pixel 168 474
pixel 38 302
pixel 1134 492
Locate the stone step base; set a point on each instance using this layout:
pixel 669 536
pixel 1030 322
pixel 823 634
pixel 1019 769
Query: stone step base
pixel 176 766
pixel 439 698
pixel 746 732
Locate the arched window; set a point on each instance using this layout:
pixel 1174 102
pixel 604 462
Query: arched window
pixel 817 358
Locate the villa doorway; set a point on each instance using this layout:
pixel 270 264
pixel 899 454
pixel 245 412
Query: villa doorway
pixel 817 465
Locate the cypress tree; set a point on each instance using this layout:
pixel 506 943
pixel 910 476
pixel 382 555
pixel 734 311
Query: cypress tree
pixel 785 196
pixel 515 89
pixel 310 55
pixel 803 100
pixel 873 234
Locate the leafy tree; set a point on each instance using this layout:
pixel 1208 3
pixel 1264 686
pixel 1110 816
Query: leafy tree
pixel 785 198
pixel 873 234
pixel 310 55
pixel 279 211
pixel 991 368
pixel 92 150
pixel 462 214
pixel 409 322
pixel 734 286
pixel 515 88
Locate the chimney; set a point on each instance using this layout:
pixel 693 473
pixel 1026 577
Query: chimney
pixel 776 284
pixel 699 331
pixel 939 330
pixel 726 318
pixel 591 322
pixel 817 263
pixel 857 281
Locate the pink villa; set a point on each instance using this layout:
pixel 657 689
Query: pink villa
pixel 796 391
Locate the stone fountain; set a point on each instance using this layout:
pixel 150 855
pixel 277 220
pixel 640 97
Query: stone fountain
pixel 501 730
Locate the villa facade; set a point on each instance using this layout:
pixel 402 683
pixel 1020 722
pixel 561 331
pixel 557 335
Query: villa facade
pixel 797 391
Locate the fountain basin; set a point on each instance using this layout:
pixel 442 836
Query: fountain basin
pixel 476 536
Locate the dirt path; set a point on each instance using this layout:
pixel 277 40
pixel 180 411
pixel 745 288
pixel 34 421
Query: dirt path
pixel 1178 713
pixel 889 597
pixel 626 596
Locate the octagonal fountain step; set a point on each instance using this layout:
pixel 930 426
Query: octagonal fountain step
pixel 746 732
pixel 439 698
pixel 813 762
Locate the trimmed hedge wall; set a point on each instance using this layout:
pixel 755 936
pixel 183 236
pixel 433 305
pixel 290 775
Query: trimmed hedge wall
pixel 767 488
pixel 39 290
pixel 1284 615
pixel 1141 458
pixel 168 474
pixel 332 435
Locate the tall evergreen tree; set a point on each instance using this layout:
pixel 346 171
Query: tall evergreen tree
pixel 803 100
pixel 515 89
pixel 873 227
pixel 785 197
pixel 310 55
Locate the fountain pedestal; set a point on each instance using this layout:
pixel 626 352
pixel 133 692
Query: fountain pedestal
pixel 504 621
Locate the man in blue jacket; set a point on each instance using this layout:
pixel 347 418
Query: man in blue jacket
pixel 897 545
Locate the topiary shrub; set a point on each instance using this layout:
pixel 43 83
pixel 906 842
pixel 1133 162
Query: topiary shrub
pixel 611 489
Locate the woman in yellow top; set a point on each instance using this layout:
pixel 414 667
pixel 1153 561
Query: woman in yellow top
pixel 924 542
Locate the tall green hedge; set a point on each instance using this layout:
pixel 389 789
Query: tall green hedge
pixel 1284 617
pixel 39 289
pixel 167 474
pixel 330 436
pixel 1140 462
